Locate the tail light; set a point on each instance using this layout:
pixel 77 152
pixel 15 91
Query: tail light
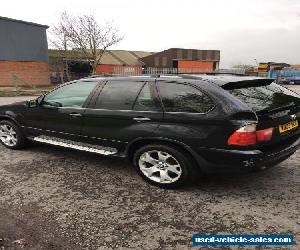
pixel 248 135
pixel 264 135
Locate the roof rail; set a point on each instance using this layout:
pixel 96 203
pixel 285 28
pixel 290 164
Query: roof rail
pixel 191 77
pixel 225 73
pixel 95 76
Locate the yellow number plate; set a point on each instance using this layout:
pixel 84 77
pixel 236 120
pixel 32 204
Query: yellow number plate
pixel 289 126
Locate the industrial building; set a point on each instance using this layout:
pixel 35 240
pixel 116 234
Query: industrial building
pixel 24 58
pixel 184 60
pixel 124 62
pixel 23 53
pixel 121 62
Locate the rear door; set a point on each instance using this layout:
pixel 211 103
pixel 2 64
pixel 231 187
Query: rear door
pixel 124 110
pixel 190 115
pixel 276 107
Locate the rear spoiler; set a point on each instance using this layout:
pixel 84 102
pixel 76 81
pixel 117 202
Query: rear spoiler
pixel 247 83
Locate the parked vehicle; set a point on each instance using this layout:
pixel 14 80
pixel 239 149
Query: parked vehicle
pixel 285 76
pixel 171 127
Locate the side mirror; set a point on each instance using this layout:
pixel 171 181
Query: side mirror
pixel 33 103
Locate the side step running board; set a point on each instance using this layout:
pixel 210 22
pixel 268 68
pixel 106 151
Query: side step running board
pixel 76 145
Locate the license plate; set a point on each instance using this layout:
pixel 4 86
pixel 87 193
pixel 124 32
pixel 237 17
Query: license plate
pixel 288 126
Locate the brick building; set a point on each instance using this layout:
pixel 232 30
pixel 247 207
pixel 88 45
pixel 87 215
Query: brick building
pixel 124 62
pixel 23 53
pixel 119 62
pixel 184 60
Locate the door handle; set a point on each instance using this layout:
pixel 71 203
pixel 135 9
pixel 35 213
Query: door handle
pixel 141 119
pixel 75 115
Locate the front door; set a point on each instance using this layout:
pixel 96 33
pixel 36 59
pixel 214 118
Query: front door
pixel 60 113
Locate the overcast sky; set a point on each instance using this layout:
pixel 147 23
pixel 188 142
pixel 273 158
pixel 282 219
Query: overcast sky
pixel 244 30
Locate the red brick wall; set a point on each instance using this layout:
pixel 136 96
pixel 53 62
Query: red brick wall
pixel 104 69
pixel 195 66
pixel 27 73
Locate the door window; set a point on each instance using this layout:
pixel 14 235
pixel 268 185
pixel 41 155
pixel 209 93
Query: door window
pixel 146 100
pixel 71 95
pixel 118 95
pixel 184 98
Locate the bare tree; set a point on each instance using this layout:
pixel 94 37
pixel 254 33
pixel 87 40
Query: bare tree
pixel 59 40
pixel 85 34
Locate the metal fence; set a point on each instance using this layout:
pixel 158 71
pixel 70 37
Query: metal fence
pixel 160 71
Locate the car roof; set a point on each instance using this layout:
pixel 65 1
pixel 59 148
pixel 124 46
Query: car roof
pixel 219 79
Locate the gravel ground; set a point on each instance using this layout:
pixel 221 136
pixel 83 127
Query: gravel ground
pixel 53 198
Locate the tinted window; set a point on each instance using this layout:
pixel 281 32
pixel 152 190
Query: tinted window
pixel 184 98
pixel 146 100
pixel 118 95
pixel 266 97
pixel 71 95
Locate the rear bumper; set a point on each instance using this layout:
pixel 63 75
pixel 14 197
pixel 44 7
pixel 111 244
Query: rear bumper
pixel 222 160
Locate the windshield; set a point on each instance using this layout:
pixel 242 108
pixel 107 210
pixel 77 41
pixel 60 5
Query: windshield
pixel 266 97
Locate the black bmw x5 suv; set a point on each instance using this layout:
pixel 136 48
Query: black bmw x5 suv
pixel 170 127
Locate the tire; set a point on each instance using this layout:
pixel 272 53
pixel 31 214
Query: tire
pixel 11 136
pixel 164 166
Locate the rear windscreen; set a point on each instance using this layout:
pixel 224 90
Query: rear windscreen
pixel 266 97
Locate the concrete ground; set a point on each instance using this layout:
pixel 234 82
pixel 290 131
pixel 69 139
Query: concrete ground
pixel 53 198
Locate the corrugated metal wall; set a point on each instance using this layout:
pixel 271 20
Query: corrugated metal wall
pixel 166 58
pixel 22 42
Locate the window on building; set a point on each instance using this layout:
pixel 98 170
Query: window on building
pixel 190 54
pixel 164 61
pixel 184 98
pixel 156 61
pixel 118 95
pixel 204 55
pixel 179 54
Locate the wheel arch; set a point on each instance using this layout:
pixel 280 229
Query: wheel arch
pixel 140 142
pixel 9 118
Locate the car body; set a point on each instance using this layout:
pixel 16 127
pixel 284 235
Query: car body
pixel 189 123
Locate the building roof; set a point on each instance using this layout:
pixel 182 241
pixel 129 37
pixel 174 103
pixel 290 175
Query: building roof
pixel 23 22
pixel 125 57
pixel 186 54
pixel 113 57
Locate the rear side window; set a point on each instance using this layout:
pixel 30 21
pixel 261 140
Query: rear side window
pixel 147 100
pixel 265 97
pixel 118 95
pixel 184 98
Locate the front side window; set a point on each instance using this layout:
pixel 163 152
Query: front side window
pixel 184 98
pixel 71 95
pixel 146 100
pixel 118 95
